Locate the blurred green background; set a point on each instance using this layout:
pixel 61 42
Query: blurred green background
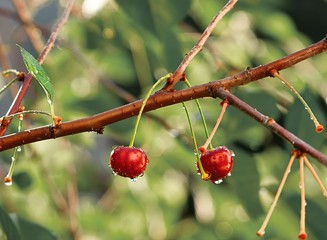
pixel 109 54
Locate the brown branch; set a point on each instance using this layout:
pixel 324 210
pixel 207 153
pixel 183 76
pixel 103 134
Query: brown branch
pixel 27 81
pixel 28 25
pixel 271 124
pixel 163 98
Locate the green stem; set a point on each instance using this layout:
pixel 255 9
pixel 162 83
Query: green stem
pixel 25 112
pixel 8 85
pixel 319 127
pixel 143 106
pixel 8 178
pixel 200 111
pixel 203 173
pixel 6 72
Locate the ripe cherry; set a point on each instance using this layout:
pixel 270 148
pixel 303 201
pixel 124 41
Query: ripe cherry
pixel 128 161
pixel 217 163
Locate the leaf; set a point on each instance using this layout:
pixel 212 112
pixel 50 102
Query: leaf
pixel 34 231
pixel 38 73
pixel 246 177
pixel 8 226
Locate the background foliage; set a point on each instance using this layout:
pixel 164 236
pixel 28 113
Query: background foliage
pixel 130 44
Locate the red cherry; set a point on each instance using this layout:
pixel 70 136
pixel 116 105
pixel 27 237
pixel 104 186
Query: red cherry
pixel 128 161
pixel 217 163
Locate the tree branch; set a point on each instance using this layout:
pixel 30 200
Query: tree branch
pixel 199 45
pixel 162 98
pixel 271 124
pixel 27 81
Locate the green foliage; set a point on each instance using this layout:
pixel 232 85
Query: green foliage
pixel 34 68
pixel 8 227
pixel 131 44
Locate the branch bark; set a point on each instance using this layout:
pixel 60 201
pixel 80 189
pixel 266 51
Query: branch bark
pixel 161 99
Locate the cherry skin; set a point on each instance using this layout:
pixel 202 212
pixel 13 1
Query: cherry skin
pixel 128 161
pixel 217 163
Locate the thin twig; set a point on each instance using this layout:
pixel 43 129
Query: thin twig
pixel 199 45
pixel 55 32
pixel 28 25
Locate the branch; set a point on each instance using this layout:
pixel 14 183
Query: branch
pixel 271 124
pixel 27 81
pixel 28 25
pixel 162 98
pixel 199 45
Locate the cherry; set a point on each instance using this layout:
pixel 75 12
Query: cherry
pixel 128 161
pixel 217 163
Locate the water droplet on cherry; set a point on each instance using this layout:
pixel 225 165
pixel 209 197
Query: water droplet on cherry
pixel 218 181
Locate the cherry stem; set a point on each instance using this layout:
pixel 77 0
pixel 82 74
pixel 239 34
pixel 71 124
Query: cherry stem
pixel 261 231
pixel 319 127
pixel 8 85
pixel 8 71
pixel 204 175
pixel 143 106
pixel 8 178
pixel 315 175
pixel 24 112
pixel 223 109
pixel 200 111
pixel 302 234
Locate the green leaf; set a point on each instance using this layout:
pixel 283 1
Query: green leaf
pixel 8 226
pixel 34 231
pixel 38 73
pixel 246 174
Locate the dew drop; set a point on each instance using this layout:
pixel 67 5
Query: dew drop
pixel 8 181
pixel 232 154
pixel 218 181
pixel 19 149
pixel 133 179
pixel 229 174
pixel 114 173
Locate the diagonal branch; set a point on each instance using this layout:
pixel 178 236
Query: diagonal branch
pixel 199 45
pixel 271 124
